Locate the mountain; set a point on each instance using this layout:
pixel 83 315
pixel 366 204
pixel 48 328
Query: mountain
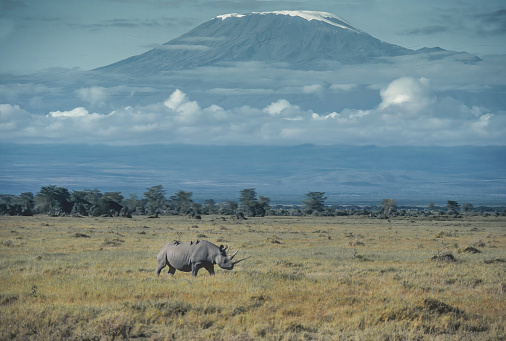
pixel 300 39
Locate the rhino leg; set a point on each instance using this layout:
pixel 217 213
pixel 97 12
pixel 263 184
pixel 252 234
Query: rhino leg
pixel 171 271
pixel 195 268
pixel 210 268
pixel 161 265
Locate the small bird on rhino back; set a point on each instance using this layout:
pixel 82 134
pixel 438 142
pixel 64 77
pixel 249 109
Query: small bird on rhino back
pixel 193 256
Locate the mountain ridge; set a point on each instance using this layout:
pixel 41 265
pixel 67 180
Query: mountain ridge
pixel 297 39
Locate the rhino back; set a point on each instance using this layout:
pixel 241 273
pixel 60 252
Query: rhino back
pixel 204 251
pixel 178 256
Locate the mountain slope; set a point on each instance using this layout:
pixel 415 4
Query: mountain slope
pixel 301 39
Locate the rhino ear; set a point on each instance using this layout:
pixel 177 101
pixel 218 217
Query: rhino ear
pixel 221 247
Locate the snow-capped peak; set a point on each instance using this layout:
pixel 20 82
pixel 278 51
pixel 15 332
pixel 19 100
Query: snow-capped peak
pixel 328 18
pixel 230 15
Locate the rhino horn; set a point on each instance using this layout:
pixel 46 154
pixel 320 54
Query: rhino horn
pixel 233 255
pixel 240 260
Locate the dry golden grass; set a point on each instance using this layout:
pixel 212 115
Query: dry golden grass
pixel 311 278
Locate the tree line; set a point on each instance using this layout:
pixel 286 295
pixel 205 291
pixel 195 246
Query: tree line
pixel 59 201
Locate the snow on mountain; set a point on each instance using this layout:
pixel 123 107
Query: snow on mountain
pixel 328 18
pixel 299 39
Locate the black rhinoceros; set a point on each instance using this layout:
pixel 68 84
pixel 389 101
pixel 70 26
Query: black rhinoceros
pixel 193 256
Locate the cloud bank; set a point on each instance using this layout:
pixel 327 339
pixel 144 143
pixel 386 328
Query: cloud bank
pixel 410 113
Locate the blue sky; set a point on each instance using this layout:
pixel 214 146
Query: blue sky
pixel 37 34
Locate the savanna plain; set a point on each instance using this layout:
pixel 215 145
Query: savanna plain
pixel 308 278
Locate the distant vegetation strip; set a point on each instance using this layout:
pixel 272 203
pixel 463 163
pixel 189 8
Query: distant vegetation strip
pixel 59 201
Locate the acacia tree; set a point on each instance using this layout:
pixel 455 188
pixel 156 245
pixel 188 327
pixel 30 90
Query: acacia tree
pixel 210 207
pixel 247 201
pixel 81 204
pixel 155 198
pixel 250 205
pixel 134 204
pixel 182 202
pixel 109 204
pixel 388 206
pixel 54 200
pixel 5 203
pixel 452 207
pixel 467 207
pixel 314 202
pixel 263 204
pixel 228 208
pixel 93 196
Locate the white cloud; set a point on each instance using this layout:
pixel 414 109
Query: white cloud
pixel 409 112
pixel 312 89
pixel 175 100
pixel 93 95
pixel 74 113
pixel 186 111
pixel 406 97
pixel 333 115
pixel 482 123
pixel 12 117
pixel 278 107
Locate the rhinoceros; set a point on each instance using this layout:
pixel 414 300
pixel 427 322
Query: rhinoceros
pixel 193 256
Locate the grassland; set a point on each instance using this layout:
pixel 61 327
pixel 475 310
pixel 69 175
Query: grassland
pixel 309 278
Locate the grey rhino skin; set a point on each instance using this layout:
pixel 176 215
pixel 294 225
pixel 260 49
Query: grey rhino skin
pixel 193 256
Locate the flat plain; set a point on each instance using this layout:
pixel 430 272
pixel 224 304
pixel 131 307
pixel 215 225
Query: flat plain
pixel 308 278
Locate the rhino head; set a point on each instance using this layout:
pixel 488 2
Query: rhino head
pixel 227 262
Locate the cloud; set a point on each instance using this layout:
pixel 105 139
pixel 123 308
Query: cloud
pixel 13 118
pixel 161 21
pixel 478 21
pixel 409 113
pixel 492 22
pixel 406 97
pixel 427 30
pixel 93 95
pixel 186 111
pixel 75 113
pixel 277 107
pixel 312 89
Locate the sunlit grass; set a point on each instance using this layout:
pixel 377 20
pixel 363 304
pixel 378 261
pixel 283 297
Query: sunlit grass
pixel 308 278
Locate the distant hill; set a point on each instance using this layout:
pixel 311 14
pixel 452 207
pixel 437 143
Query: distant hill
pixel 348 174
